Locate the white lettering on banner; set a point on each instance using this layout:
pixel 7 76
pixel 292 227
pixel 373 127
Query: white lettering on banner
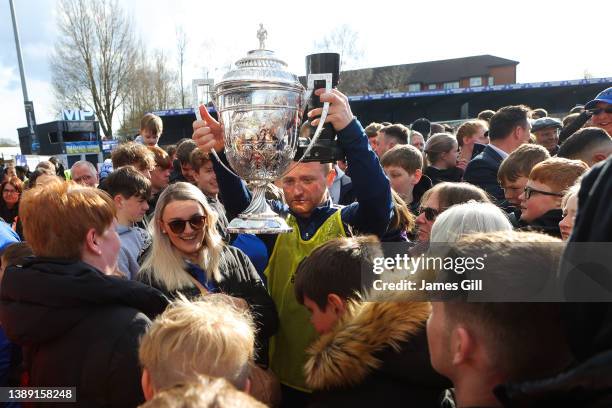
pixel 75 114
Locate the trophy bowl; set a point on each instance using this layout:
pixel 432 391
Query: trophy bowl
pixel 260 108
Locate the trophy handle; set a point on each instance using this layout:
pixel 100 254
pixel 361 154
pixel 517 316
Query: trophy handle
pixel 198 115
pixel 328 87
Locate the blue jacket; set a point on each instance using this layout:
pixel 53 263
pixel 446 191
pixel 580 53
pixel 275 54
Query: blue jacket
pixel 482 172
pixel 369 215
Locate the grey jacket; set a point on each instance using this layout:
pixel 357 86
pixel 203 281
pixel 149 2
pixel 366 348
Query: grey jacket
pixel 134 242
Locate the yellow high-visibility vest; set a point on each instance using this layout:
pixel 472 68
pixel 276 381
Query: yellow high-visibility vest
pixel 295 334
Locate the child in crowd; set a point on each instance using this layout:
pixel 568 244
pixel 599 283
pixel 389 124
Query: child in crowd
pixel 160 175
pixel 472 137
pixel 514 172
pixel 216 329
pixel 206 181
pixel 387 336
pixel 569 205
pixel 541 199
pixel 201 393
pixel 441 151
pixel 130 191
pixel 151 128
pixel 403 165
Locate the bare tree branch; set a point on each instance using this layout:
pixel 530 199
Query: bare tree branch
pixel 345 41
pixel 94 58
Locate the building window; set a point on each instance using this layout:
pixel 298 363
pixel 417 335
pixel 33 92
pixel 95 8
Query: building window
pixel 476 81
pixel 491 81
pixel 414 87
pixel 451 85
pixel 432 86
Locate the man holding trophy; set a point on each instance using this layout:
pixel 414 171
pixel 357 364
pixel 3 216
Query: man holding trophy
pixel 311 218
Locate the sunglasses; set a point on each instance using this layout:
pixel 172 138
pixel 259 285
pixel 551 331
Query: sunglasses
pixel 196 222
pixel 597 111
pixel 430 213
pixel 529 192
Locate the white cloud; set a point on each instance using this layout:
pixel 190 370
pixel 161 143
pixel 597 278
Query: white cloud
pixel 11 102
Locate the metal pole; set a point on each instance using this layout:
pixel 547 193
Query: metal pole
pixel 27 104
pixel 24 88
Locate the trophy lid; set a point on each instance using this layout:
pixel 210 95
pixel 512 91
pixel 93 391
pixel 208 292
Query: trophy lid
pixel 260 66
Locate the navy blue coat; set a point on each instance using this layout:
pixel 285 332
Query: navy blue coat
pixel 482 172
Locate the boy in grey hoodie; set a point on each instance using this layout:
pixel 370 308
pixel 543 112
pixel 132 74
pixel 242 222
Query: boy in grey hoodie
pixel 130 191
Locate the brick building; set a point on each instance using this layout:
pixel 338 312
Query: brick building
pixel 475 71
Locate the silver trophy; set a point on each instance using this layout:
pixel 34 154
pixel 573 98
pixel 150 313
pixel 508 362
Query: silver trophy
pixel 260 106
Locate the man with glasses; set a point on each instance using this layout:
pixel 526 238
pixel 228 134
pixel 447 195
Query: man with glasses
pixel 541 198
pixel 84 173
pixel 600 109
pixel 546 131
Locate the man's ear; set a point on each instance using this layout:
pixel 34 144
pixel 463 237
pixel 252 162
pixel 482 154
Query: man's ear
pixel 462 345
pixel 418 173
pixel 147 385
pixel 597 157
pixel 196 175
pixel 329 179
pixel 337 304
pixel 91 242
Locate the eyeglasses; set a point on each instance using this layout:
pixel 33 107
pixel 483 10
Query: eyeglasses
pixel 597 111
pixel 196 222
pixel 430 213
pixel 5 191
pixel 529 192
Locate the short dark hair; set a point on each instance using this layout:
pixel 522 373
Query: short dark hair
pixel 397 132
pixel 506 120
pixel 198 159
pixel 132 154
pixel 539 113
pixel 128 182
pixel 406 156
pixel 580 143
pixel 372 129
pixel 335 268
pixel 423 126
pixel 520 162
pixel 506 327
pixel 184 149
pixel 486 115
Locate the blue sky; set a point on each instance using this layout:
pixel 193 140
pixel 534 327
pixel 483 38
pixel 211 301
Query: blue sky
pixel 551 40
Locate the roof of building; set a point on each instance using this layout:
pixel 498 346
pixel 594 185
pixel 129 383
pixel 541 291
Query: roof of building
pixel 430 72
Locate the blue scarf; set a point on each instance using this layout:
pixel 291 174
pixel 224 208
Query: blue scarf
pixel 200 275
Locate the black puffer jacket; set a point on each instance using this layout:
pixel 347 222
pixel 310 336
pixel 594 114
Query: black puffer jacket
pixel 79 328
pixel 240 279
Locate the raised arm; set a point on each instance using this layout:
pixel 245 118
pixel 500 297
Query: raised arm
pixel 373 209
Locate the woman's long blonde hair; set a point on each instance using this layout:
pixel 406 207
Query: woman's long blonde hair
pixel 165 264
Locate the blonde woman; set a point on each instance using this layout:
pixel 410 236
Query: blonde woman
pixel 188 256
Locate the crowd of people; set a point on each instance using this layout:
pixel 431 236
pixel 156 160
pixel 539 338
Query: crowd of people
pixel 125 283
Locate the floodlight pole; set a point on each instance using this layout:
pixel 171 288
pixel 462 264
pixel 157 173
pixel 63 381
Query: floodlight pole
pixel 27 103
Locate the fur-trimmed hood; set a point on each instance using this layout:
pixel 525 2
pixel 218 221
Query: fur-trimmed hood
pixel 349 353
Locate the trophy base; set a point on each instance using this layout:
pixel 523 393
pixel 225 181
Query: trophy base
pixel 268 225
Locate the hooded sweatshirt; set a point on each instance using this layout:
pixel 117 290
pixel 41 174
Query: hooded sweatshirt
pixel 135 242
